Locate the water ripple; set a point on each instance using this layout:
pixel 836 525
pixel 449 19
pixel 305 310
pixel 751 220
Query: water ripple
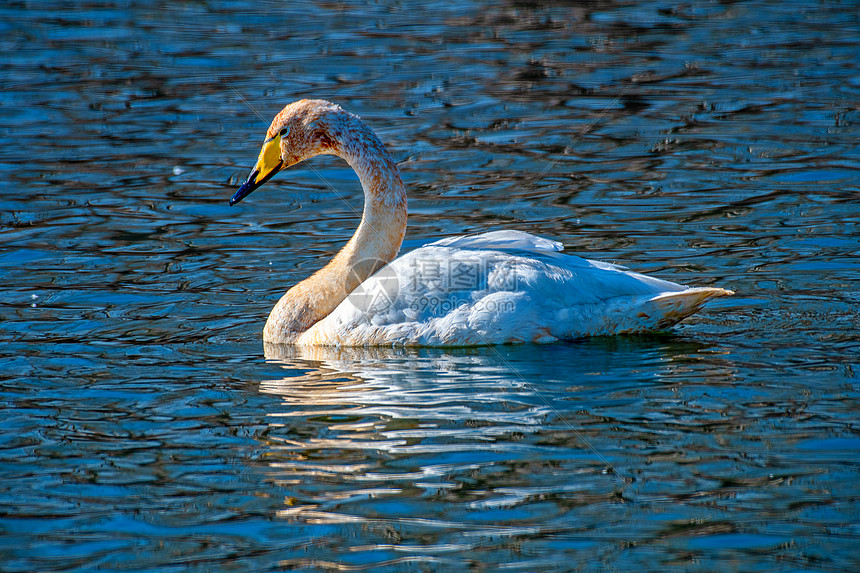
pixel 707 143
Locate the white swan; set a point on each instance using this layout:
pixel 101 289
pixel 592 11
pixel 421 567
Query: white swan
pixel 498 287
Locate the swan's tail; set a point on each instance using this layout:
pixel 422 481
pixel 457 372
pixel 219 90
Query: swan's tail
pixel 669 308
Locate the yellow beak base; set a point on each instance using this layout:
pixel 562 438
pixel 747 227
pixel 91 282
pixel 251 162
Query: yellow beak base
pixel 269 160
pixel 268 164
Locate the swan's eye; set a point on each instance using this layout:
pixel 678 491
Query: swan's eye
pixel 284 131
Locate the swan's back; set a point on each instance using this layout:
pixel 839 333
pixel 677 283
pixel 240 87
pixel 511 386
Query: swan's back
pixel 501 287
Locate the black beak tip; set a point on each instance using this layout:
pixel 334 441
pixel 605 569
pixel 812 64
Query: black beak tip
pixel 252 183
pixel 245 189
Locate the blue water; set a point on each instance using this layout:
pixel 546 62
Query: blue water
pixel 143 425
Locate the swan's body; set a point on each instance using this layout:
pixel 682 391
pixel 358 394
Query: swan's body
pixel 499 287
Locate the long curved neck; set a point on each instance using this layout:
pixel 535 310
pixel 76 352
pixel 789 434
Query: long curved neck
pixel 383 221
pixel 375 243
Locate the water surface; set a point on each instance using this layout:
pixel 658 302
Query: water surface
pixel 144 428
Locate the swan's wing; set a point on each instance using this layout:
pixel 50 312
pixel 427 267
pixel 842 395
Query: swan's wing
pixel 526 243
pixel 501 240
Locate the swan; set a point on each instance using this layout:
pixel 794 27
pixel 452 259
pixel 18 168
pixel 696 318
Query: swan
pixel 493 288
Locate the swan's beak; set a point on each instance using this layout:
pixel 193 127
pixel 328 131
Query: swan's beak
pixel 268 164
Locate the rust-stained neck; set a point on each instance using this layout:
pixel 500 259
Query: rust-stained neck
pixel 317 127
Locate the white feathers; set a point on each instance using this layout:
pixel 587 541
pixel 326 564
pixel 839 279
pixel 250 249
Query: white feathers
pixel 507 239
pixel 501 287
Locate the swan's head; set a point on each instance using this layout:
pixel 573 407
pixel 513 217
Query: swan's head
pixel 303 129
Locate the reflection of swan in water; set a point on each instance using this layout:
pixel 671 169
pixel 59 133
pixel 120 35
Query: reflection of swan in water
pixel 450 384
pixel 397 383
pixel 378 425
pixel 361 427
pixel 499 287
